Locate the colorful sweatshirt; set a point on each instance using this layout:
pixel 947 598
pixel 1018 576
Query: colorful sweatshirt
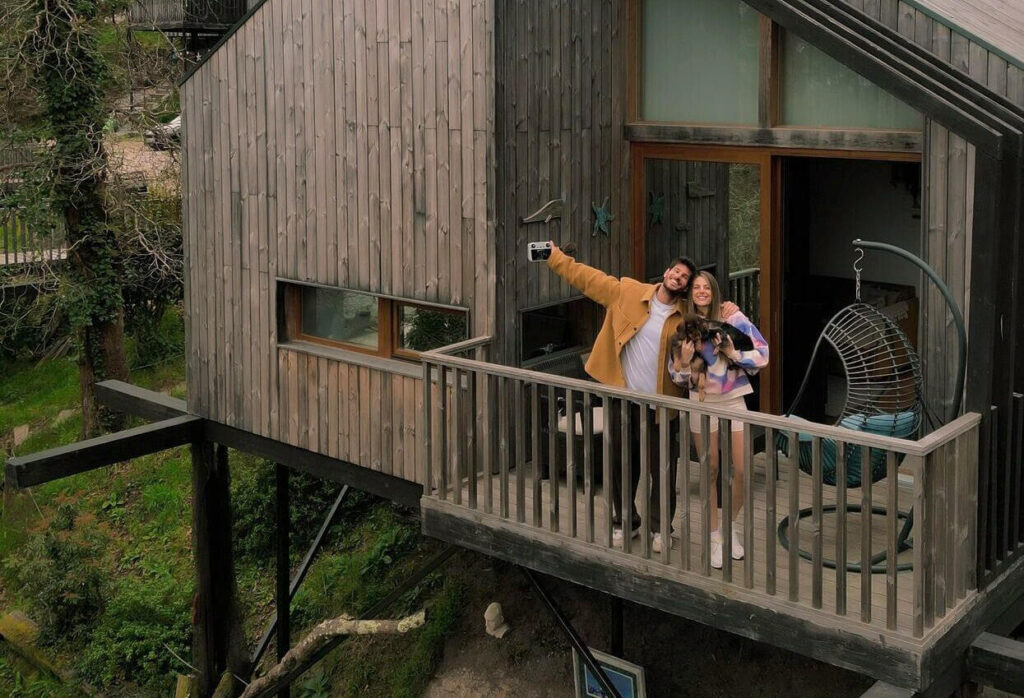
pixel 727 378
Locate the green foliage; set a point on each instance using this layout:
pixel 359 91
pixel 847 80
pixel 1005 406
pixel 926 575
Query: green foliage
pixel 146 622
pixel 410 676
pixel 64 583
pixel 253 490
pixel 316 685
pixel 30 393
pixel 744 217
pixel 18 685
pixel 429 329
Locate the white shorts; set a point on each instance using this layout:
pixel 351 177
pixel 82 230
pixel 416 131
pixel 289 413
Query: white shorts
pixel 736 403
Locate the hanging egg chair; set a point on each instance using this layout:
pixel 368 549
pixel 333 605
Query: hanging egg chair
pixel 883 389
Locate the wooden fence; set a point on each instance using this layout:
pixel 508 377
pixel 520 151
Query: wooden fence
pixel 195 14
pixel 21 244
pixel 494 441
pixel 745 291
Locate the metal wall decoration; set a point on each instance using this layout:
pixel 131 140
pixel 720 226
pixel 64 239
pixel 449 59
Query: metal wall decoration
pixel 601 217
pixel 656 208
pixel 552 209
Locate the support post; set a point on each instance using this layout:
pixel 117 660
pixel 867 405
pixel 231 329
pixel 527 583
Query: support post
pixel 218 643
pixel 283 570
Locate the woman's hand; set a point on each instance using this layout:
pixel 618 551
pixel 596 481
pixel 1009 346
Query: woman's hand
pixel 728 309
pixel 684 354
pixel 725 347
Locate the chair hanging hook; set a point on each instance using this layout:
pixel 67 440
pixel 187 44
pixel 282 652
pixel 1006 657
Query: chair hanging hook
pixel 857 269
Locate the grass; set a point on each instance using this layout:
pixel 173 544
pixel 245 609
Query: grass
pixel 138 515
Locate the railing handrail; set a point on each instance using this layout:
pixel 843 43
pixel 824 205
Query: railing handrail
pixel 457 347
pixel 921 448
pixel 744 272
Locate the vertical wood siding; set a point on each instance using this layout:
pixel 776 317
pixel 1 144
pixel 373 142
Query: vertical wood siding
pixel 948 186
pixel 560 108
pixel 346 143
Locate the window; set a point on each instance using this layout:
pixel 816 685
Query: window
pixel 700 61
pixel 369 323
pixel 819 91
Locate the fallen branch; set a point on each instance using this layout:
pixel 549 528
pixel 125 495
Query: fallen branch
pixel 280 675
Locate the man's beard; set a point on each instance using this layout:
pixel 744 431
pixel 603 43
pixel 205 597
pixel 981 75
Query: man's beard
pixel 675 295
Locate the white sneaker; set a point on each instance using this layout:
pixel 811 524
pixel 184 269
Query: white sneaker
pixel 656 543
pixel 737 547
pixel 617 535
pixel 716 550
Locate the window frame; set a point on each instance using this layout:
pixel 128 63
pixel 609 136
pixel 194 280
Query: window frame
pixel 387 321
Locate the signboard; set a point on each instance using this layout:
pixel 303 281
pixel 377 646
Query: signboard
pixel 627 678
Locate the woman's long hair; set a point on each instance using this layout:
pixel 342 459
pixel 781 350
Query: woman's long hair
pixel 715 310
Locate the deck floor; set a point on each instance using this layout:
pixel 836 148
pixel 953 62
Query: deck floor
pixel 691 563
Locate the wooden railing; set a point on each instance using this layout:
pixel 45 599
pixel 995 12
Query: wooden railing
pixel 1001 485
pixel 745 291
pixel 490 431
pixel 22 244
pixel 186 13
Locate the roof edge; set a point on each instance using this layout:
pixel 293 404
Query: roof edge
pixel 220 42
pixel 971 36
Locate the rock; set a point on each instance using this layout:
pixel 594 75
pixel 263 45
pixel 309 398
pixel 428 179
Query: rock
pixel 20 434
pixel 494 621
pixel 19 633
pixel 64 415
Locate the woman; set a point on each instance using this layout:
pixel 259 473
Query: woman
pixel 725 385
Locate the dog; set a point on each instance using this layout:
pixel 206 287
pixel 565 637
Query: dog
pixel 696 330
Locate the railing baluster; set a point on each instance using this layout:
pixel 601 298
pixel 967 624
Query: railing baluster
pixel 552 459
pixel 625 500
pixel 771 475
pixel 644 488
pixel 920 541
pixel 794 516
pixel 928 529
pixel 841 563
pixel 490 382
pixel 472 462
pixel 816 514
pixel 442 429
pixel 936 463
pixel 570 461
pixel 705 494
pixel 588 465
pixel 520 451
pixel 428 409
pixel 1016 493
pixel 725 514
pixel 607 449
pixel 683 489
pixel 503 454
pixel 865 534
pixel 457 437
pixel 665 462
pixel 892 523
pixel 538 517
pixel 951 551
pixel 969 535
pixel 748 507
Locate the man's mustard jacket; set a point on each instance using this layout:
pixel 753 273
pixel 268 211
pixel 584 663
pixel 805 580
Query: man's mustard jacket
pixel 627 304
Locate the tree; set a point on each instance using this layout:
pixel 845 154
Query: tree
pixel 50 47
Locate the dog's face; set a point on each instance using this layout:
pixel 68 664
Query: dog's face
pixel 693 328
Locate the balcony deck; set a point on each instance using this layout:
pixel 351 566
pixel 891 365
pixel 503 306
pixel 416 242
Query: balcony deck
pixel 482 442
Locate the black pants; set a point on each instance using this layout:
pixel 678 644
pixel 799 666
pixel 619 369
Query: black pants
pixel 636 444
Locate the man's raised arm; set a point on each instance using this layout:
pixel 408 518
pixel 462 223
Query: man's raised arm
pixel 594 283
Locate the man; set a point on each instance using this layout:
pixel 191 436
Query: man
pixel 631 351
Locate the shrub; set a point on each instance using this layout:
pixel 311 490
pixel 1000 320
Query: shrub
pixel 147 622
pixel 67 591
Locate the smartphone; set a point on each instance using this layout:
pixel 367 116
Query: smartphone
pixel 538 251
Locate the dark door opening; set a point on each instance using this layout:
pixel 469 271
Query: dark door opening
pixel 828 203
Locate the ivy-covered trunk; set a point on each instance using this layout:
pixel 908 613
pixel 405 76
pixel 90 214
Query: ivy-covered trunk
pixel 71 77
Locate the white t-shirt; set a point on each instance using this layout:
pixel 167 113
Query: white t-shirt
pixel 640 355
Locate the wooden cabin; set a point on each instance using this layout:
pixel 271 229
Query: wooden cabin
pixel 361 180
